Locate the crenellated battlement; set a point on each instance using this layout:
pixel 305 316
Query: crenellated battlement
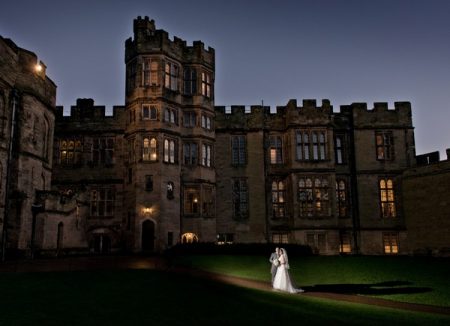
pixel 380 114
pixel 147 39
pixel 85 109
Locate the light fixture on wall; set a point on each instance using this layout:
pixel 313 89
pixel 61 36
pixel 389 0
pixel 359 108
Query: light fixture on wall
pixel 147 211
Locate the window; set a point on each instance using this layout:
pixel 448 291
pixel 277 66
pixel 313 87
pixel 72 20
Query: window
pixel 339 149
pixel 240 198
pixel 131 76
pixel 313 196
pixel 131 151
pixel 171 76
pixel 341 198
pixel 390 242
pixel 317 241
pixel 280 238
pixel 149 72
pixel 225 238
pixel 189 119
pixel 170 115
pixel 276 153
pixel 387 198
pixel 190 153
pixel 148 183
pixel 345 246
pixel 385 146
pixel 70 152
pixel 190 81
pixel 103 150
pixel 102 202
pixel 206 84
pixel 191 201
pixel 149 112
pixel 206 155
pixel 310 145
pixel 238 150
pixel 170 151
pixel 149 149
pixel 208 202
pixel 278 199
pixel 206 122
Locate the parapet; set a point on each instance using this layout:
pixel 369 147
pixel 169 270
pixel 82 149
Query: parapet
pixel 380 114
pixel 148 39
pixel 85 109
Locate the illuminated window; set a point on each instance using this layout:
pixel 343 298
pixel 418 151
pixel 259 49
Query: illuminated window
pixel 384 146
pixel 225 238
pixel 70 152
pixel 276 152
pixel 190 81
pixel 278 199
pixel 149 72
pixel 345 246
pixel 103 150
pixel 170 151
pixel 341 198
pixel 280 238
pixel 238 150
pixel 190 153
pixel 206 84
pixel 171 76
pixel 149 149
pixel 310 145
pixel 102 202
pixel 189 238
pixel 390 242
pixel 240 198
pixel 387 199
pixel 191 201
pixel 313 196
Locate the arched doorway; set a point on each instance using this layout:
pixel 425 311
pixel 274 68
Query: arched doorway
pixel 102 243
pixel 148 236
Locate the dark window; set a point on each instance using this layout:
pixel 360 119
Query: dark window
pixel 240 198
pixel 278 199
pixel 339 149
pixel 103 150
pixel 171 76
pixel 342 198
pixel 190 153
pixel 190 81
pixel 311 145
pixel 238 150
pixel 313 196
pixel 191 201
pixel 276 150
pixel 102 202
pixel 148 183
pixel 131 76
pixel 189 119
pixel 225 238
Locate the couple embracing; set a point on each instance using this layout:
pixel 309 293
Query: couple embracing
pixel 281 279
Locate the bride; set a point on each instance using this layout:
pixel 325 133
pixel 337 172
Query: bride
pixel 282 280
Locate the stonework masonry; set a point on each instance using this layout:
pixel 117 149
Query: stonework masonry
pixel 168 166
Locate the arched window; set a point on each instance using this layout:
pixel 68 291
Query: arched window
pixel 146 150
pixel 387 199
pixel 278 199
pixel 341 198
pixel 313 197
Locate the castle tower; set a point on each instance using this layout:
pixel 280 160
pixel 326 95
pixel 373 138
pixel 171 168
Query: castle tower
pixel 169 140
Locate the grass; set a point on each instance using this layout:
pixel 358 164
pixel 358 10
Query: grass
pixel 143 297
pixel 406 279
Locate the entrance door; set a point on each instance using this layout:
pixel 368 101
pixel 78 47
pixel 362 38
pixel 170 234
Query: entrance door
pixel 148 236
pixel 102 243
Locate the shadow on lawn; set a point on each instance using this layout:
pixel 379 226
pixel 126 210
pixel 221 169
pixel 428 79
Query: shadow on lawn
pixel 383 288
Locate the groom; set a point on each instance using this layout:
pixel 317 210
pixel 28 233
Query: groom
pixel 274 261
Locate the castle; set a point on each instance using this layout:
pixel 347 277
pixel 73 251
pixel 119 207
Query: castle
pixel 170 167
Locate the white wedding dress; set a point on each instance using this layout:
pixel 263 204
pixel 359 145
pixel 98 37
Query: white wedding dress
pixel 282 280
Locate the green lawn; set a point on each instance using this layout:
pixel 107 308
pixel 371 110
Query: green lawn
pixel 407 279
pixel 143 297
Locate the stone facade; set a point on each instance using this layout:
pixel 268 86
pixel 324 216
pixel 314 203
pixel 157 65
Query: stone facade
pixel 170 167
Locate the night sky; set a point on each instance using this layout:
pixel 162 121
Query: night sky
pixel 271 51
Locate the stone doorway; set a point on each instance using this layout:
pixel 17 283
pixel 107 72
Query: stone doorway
pixel 102 243
pixel 148 236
